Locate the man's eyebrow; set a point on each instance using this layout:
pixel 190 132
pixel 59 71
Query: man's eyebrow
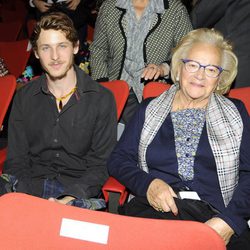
pixel 47 44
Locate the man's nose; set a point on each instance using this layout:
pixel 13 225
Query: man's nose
pixel 54 54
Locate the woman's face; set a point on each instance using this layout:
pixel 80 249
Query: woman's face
pixel 197 85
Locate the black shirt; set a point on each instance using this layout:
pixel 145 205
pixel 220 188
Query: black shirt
pixel 71 146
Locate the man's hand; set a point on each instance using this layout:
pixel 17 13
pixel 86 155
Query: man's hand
pixel 153 71
pixel 64 200
pixel 72 4
pixel 222 228
pixel 41 5
pixel 160 196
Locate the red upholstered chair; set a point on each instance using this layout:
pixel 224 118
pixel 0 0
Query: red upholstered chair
pixel 153 89
pixel 243 94
pixel 12 10
pixel 10 30
pixel 16 55
pixel 7 89
pixel 29 222
pixel 30 26
pixel 90 33
pixel 120 91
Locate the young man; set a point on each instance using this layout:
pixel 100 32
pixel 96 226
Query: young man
pixel 62 126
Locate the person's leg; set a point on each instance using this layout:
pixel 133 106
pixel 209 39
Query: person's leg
pixel 139 207
pixel 240 243
pixel 3 189
pixel 187 210
pixel 130 107
pixel 7 184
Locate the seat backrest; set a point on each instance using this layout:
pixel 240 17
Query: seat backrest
pixel 29 222
pixel 10 30
pixel 7 89
pixel 31 23
pixel 15 55
pixel 243 94
pixel 120 90
pixel 90 33
pixel 12 10
pixel 153 89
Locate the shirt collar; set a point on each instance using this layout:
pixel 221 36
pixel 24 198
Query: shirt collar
pixel 84 83
pixel 158 6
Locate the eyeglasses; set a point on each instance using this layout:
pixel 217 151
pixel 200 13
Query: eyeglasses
pixel 210 70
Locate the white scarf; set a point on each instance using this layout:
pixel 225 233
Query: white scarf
pixel 224 129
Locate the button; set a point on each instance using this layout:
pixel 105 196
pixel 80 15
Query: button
pixel 55 140
pixel 57 155
pixel 57 120
pixel 187 155
pixel 188 139
pixel 52 98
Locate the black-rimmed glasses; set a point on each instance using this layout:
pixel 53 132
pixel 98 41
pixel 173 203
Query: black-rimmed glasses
pixel 210 70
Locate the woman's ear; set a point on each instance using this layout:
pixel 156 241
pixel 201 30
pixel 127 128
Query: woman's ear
pixel 177 78
pixel 178 74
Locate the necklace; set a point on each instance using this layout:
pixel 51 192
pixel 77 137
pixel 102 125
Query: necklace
pixel 59 99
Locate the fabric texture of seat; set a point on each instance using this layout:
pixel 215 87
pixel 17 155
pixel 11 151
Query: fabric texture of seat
pixel 7 89
pixel 153 89
pixel 120 90
pixel 10 30
pixel 243 94
pixel 29 222
pixel 31 23
pixel 16 55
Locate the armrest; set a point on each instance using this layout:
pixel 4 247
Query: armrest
pixel 114 192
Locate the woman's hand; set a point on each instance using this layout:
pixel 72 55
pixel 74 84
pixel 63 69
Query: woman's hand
pixel 160 196
pixel 41 5
pixel 72 4
pixel 64 200
pixel 222 228
pixel 153 71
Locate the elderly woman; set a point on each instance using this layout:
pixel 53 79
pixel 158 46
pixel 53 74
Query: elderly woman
pixel 133 40
pixel 191 142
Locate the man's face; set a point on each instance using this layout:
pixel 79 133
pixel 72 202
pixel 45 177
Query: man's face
pixel 56 53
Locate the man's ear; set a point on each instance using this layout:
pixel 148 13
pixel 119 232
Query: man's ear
pixel 76 47
pixel 36 54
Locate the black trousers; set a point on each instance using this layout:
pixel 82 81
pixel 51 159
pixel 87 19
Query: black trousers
pixel 130 107
pixel 193 210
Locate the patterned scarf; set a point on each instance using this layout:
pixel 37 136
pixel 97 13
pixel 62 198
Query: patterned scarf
pixel 224 129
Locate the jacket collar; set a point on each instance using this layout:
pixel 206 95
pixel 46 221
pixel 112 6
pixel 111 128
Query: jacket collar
pixel 159 5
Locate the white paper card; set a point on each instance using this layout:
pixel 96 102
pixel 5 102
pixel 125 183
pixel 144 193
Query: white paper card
pixel 189 195
pixel 82 230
